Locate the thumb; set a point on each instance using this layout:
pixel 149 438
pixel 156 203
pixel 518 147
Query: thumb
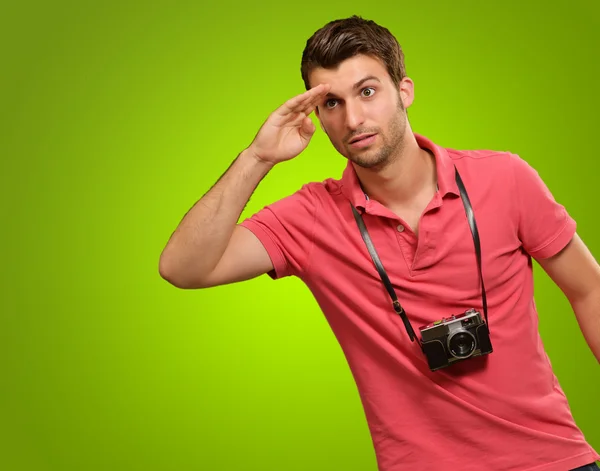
pixel 307 129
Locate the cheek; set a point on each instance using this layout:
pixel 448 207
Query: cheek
pixel 331 125
pixel 387 108
pixel 392 115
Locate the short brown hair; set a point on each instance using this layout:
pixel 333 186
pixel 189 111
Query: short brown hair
pixel 341 39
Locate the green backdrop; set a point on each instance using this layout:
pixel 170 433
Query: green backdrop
pixel 117 116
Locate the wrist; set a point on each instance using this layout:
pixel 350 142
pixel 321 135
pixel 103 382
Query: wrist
pixel 249 154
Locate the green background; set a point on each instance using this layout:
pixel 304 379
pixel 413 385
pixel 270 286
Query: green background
pixel 116 117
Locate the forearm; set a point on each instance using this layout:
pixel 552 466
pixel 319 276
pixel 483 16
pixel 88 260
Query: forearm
pixel 201 238
pixel 587 311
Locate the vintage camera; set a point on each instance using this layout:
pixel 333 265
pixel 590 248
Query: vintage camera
pixel 455 338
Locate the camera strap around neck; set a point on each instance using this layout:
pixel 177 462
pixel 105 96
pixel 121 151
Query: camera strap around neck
pixel 384 277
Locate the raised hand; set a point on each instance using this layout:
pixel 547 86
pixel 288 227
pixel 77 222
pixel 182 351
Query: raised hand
pixel 288 130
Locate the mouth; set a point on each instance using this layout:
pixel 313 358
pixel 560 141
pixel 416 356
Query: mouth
pixel 360 137
pixel 363 140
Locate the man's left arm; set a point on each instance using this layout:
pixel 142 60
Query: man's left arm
pixel 577 274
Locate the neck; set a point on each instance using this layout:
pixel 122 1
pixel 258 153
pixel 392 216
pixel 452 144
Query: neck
pixel 410 176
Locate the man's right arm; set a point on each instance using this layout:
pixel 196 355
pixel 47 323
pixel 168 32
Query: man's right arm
pixel 208 248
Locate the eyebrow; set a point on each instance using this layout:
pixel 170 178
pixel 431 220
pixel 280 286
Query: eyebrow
pixel 360 82
pixel 357 84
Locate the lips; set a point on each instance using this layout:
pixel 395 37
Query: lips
pixel 360 138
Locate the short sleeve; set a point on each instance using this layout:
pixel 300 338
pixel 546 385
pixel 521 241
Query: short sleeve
pixel 286 230
pixel 544 225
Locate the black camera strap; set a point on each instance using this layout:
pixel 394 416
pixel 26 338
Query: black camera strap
pixel 384 277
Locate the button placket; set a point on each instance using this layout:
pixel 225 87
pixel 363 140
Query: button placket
pixel 403 238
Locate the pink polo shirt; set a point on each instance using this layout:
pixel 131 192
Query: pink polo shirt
pixel 503 411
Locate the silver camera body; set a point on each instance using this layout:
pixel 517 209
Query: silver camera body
pixel 455 338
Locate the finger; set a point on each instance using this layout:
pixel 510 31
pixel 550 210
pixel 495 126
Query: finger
pixel 304 110
pixel 310 109
pixel 294 103
pixel 307 129
pixel 309 105
pixel 317 94
pixel 294 118
pixel 302 101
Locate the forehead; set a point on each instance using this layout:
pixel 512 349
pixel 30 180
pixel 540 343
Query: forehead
pixel 349 71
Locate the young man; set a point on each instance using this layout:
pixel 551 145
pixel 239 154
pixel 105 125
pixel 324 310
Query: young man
pixel 501 410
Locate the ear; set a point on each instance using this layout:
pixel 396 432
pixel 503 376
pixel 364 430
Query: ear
pixel 406 87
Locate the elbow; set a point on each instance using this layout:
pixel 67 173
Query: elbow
pixel 175 276
pixel 168 273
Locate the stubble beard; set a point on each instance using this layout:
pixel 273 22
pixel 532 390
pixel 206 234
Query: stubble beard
pixel 391 148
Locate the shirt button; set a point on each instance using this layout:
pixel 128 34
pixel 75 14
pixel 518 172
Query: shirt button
pixel 400 228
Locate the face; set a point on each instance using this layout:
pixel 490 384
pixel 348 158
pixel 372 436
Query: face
pixel 364 112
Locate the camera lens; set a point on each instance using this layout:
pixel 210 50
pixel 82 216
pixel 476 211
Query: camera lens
pixel 461 344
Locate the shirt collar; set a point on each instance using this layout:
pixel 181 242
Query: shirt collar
pixel 444 166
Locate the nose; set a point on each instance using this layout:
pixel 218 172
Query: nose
pixel 354 115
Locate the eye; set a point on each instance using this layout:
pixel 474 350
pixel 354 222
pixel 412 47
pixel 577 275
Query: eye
pixel 367 92
pixel 330 104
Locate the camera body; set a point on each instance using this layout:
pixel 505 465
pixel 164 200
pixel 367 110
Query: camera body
pixel 455 338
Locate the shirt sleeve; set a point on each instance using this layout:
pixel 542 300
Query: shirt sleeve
pixel 286 230
pixel 544 225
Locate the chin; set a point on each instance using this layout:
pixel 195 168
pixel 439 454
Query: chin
pixel 370 164
pixel 369 161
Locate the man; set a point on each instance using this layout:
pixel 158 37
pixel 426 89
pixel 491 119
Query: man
pixel 501 410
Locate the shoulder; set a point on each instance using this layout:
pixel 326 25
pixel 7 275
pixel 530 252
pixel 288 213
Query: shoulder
pixel 491 165
pixel 306 199
pixel 317 191
pixel 481 157
pixel 489 158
